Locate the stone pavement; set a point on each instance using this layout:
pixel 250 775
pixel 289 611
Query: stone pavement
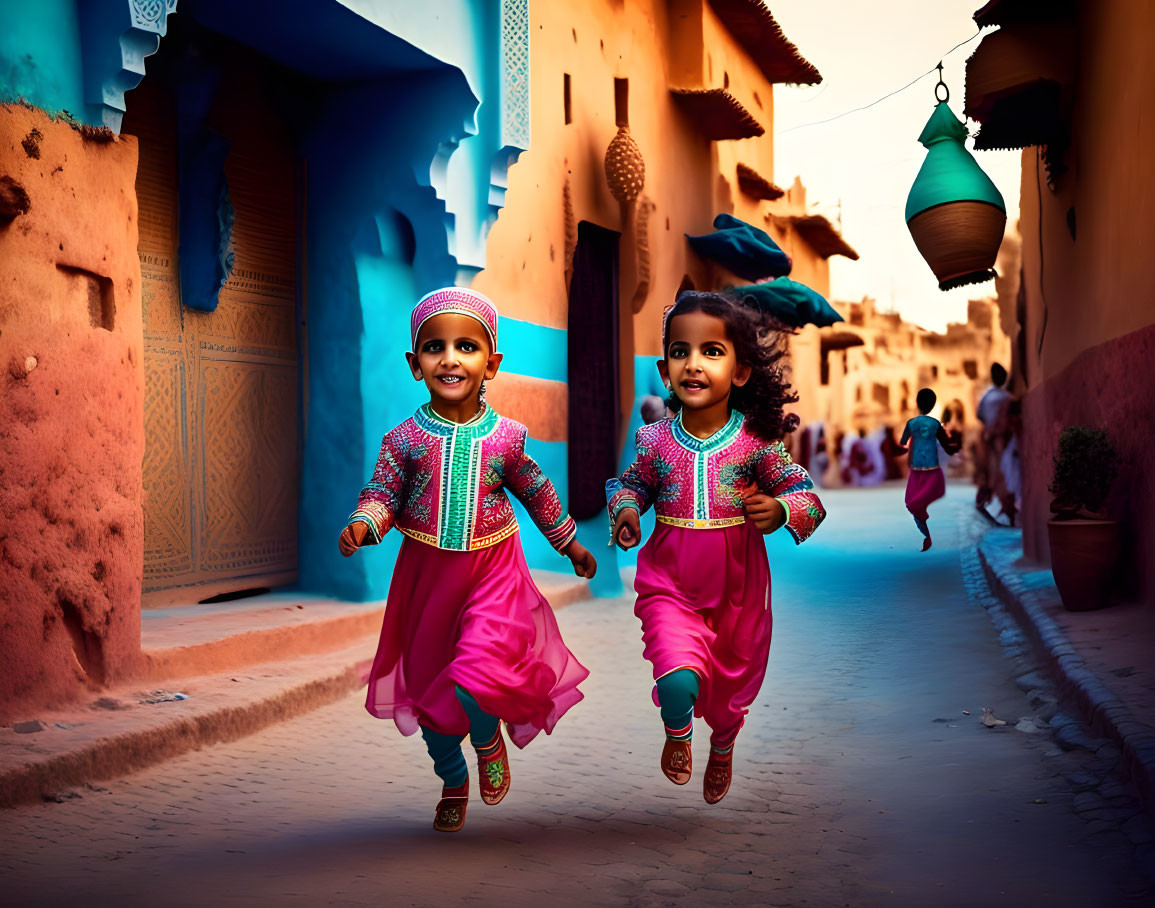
pixel 1102 661
pixel 863 776
pixel 209 674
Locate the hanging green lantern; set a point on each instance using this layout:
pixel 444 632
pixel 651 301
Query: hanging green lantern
pixel 955 213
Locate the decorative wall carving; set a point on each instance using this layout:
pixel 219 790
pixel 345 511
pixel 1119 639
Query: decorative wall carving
pixel 625 167
pixel 646 207
pixel 570 229
pixel 151 15
pixel 220 464
pixel 515 73
pixel 117 35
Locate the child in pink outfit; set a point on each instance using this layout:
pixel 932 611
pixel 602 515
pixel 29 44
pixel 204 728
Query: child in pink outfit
pixel 719 478
pixel 468 639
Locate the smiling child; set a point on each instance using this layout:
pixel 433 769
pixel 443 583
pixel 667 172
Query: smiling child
pixel 467 639
pixel 719 478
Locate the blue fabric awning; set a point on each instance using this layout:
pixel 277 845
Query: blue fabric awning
pixel 742 248
pixel 790 302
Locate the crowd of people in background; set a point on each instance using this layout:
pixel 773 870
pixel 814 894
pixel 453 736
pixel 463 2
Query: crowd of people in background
pixel 864 457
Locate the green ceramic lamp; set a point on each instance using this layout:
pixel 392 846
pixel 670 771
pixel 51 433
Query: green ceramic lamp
pixel 955 213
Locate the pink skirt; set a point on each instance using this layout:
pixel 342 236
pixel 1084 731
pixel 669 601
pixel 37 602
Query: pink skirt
pixel 473 619
pixel 923 488
pixel 704 604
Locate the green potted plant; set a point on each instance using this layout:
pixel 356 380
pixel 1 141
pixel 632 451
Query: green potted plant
pixel 1084 544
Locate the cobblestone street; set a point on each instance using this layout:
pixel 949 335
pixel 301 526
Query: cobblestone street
pixel 860 777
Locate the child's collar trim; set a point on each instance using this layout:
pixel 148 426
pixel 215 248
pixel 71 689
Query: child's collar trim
pixel 719 439
pixel 481 424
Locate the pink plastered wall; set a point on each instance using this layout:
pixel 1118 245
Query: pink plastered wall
pixel 71 413
pixel 1108 386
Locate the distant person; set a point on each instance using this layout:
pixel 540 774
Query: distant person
pixel 987 453
pixel 943 454
pixel 1010 485
pixel 874 443
pixel 653 409
pixel 821 457
pixel 812 454
pixel 855 463
pixel 926 483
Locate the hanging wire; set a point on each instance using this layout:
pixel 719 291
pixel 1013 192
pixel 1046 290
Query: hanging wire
pixel 916 79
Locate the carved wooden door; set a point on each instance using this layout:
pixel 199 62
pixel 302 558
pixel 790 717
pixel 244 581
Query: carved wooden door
pixel 221 457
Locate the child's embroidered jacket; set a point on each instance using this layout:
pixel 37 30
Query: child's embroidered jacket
pixel 444 483
pixel 697 483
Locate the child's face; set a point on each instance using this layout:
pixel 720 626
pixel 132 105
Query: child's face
pixel 700 365
pixel 453 358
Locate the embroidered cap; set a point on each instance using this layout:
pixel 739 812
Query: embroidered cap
pixel 460 300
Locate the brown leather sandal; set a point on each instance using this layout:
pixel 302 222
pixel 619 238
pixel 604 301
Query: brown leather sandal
pixel 450 815
pixel 493 769
pixel 677 761
pixel 719 771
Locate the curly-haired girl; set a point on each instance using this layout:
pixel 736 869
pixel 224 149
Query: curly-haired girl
pixel 719 478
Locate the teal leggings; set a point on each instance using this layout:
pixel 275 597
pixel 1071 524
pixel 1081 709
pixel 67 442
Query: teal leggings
pixel 448 760
pixel 677 692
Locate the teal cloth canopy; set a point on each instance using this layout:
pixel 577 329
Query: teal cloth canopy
pixel 742 248
pixel 949 173
pixel 790 302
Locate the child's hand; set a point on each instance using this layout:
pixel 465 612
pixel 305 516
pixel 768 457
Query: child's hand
pixel 627 529
pixel 582 559
pixel 766 513
pixel 352 537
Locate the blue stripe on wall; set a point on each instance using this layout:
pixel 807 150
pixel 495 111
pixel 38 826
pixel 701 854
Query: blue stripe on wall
pixel 534 350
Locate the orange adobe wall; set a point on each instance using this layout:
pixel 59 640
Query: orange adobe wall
pixel 560 181
pixel 71 411
pixel 1086 339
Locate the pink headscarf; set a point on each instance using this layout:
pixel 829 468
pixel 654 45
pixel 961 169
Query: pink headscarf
pixel 459 300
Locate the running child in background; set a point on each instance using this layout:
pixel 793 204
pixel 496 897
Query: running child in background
pixel 926 483
pixel 467 639
pixel 719 478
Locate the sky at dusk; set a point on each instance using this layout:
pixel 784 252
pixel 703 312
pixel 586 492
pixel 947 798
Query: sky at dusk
pixel 868 160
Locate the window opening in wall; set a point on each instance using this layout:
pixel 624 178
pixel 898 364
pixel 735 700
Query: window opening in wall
pixel 971 368
pixel 622 102
pixel 825 375
pixel 725 79
pixel 567 101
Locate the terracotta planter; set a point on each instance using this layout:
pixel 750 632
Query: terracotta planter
pixel 1083 558
pixel 959 240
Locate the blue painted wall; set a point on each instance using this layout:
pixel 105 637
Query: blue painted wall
pixel 407 136
pixel 40 55
pixel 376 241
